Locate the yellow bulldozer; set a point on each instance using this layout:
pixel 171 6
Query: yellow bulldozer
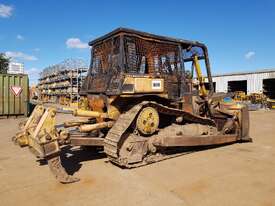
pixel 240 96
pixel 143 107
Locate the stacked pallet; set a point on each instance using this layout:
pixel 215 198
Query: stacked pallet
pixel 61 83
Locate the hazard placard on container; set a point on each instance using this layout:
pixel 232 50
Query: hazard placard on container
pixel 16 90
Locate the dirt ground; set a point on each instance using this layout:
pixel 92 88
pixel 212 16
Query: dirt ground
pixel 238 174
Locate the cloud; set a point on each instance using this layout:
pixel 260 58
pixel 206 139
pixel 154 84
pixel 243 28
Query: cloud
pixel 34 74
pixel 19 37
pixel 249 55
pixel 5 11
pixel 76 43
pixel 32 71
pixel 20 55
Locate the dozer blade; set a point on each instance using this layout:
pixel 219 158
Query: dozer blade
pixel 59 172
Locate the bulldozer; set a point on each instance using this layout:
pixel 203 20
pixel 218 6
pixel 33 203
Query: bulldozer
pixel 142 105
pixel 240 96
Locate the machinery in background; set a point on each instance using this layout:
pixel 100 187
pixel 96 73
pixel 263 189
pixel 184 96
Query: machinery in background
pixel 258 98
pixel 240 96
pixel 254 101
pixel 270 103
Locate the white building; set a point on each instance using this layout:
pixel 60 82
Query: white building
pixel 16 68
pixel 249 82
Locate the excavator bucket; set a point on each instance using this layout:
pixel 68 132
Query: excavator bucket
pixel 40 135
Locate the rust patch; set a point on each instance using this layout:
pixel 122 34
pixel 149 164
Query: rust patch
pixel 97 104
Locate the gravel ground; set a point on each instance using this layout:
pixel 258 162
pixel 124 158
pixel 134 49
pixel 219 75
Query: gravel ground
pixel 237 174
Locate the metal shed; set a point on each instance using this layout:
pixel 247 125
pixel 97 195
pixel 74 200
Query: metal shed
pixel 256 82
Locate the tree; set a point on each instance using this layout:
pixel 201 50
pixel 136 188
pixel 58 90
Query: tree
pixel 4 63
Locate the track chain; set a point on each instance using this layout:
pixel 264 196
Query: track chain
pixel 112 141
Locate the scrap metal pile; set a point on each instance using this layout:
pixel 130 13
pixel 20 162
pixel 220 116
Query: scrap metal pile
pixel 143 108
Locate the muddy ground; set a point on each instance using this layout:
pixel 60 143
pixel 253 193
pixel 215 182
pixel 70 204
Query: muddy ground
pixel 238 174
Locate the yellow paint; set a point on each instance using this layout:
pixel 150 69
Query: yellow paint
pixel 22 137
pixel 200 76
pixel 113 112
pixel 148 120
pixel 42 132
pixel 85 113
pixel 91 127
pixel 144 85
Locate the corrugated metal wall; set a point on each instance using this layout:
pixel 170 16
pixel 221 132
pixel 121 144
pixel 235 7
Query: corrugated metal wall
pixel 254 81
pixel 11 104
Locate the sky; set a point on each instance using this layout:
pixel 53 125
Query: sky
pixel 239 34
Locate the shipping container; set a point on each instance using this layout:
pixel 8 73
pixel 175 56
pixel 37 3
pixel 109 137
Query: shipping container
pixel 14 94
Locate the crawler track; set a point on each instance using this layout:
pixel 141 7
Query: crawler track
pixel 117 134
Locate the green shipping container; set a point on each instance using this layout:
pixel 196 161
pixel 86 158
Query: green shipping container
pixel 14 94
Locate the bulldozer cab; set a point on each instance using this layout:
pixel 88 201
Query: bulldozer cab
pixel 126 61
